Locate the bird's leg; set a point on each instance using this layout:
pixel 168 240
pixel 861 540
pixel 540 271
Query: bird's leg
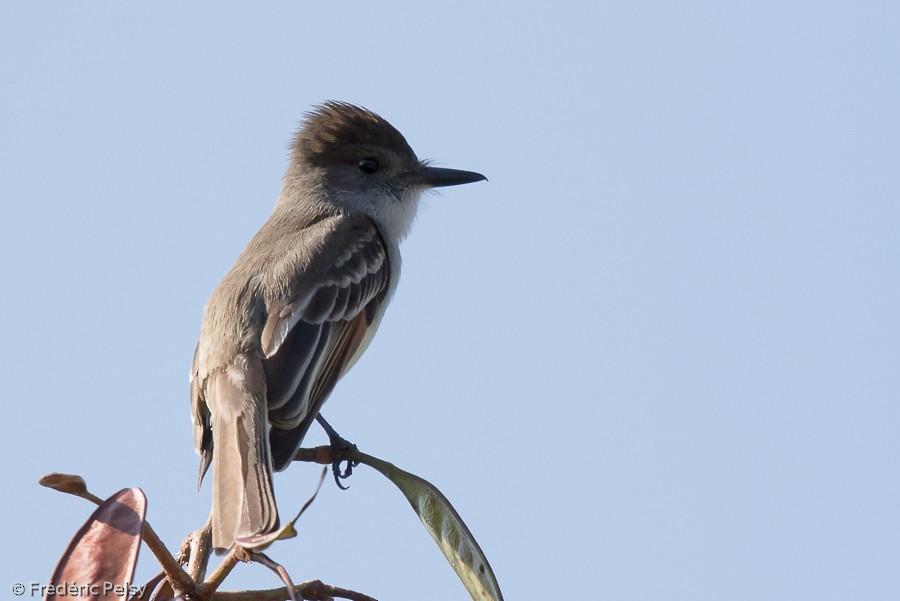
pixel 339 446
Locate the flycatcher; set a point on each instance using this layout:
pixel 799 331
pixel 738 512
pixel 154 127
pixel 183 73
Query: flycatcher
pixel 301 304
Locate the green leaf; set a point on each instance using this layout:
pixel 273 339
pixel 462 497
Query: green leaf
pixel 446 528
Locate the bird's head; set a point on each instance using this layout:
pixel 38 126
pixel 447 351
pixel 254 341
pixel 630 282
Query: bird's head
pixel 363 164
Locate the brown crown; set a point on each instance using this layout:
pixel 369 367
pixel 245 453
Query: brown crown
pixel 334 131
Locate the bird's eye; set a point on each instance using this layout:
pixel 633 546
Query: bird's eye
pixel 369 165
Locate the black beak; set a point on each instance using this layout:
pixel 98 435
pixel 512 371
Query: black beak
pixel 436 177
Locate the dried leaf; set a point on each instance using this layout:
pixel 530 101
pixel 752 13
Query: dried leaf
pixel 68 483
pixel 261 541
pixel 102 555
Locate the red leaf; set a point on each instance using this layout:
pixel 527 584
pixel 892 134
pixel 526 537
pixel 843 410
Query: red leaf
pixel 103 553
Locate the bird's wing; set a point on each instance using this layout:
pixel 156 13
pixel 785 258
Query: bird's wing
pixel 311 338
pixel 200 418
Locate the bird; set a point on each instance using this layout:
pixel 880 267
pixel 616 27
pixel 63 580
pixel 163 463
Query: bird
pixel 300 305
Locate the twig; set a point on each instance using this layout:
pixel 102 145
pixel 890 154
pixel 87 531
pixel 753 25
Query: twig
pixel 75 485
pixel 201 548
pixel 321 455
pixel 180 580
pixel 237 554
pixel 313 590
pixel 148 589
pixel 264 560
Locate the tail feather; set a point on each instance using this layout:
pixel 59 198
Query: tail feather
pixel 243 496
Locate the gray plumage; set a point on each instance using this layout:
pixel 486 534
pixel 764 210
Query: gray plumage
pixel 300 305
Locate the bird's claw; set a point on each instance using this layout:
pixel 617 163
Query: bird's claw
pixel 339 448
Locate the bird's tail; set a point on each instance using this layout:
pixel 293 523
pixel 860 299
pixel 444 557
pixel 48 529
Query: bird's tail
pixel 243 497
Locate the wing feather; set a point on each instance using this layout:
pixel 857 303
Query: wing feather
pixel 310 340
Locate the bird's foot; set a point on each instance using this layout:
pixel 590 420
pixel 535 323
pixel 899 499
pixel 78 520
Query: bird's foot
pixel 339 448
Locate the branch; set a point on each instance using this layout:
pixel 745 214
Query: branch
pixel 314 590
pixel 200 547
pixel 321 455
pixel 200 550
pixel 75 485
pixel 180 580
pixel 212 583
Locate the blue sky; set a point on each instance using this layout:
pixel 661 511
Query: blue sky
pixel 655 357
